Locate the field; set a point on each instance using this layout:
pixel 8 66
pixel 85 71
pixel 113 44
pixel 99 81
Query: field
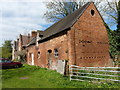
pixel 36 77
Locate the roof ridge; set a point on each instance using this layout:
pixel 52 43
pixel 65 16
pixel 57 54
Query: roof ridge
pixel 68 15
pixel 80 11
pixel 65 23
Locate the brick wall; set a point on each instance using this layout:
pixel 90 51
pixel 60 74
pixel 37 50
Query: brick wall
pixel 41 55
pixel 91 40
pixel 86 44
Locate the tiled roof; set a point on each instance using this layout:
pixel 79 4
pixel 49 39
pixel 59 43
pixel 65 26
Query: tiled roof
pixel 63 24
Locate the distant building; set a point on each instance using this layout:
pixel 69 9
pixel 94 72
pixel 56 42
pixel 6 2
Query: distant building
pixel 20 43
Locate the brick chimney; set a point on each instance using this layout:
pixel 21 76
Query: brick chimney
pixel 33 33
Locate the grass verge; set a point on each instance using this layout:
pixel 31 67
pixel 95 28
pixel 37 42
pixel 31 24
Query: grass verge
pixel 36 77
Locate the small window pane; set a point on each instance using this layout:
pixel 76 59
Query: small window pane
pixel 56 53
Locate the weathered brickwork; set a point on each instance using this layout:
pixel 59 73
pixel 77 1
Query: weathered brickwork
pixel 91 41
pixel 30 50
pixel 84 44
pixel 42 56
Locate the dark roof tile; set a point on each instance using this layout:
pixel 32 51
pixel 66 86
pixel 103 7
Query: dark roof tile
pixel 62 25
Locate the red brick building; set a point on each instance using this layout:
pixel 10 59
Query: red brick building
pixel 20 44
pixel 80 38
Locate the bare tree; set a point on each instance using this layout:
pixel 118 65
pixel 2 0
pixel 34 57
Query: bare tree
pixel 111 11
pixel 57 9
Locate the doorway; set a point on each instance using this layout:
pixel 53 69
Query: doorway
pixel 49 58
pixel 32 57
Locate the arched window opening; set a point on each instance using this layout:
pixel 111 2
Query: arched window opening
pixel 92 12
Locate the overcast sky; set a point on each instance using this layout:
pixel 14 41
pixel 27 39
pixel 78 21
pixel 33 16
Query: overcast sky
pixel 21 17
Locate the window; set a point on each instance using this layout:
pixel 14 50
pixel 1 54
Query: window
pixel 5 61
pixel 8 61
pixel 55 52
pixel 92 12
pixel 49 51
pixel 38 55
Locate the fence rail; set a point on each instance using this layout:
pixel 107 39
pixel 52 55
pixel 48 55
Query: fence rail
pixel 94 73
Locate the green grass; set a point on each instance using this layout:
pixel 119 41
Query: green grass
pixel 36 77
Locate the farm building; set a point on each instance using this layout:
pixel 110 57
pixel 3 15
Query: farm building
pixel 80 39
pixel 19 45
